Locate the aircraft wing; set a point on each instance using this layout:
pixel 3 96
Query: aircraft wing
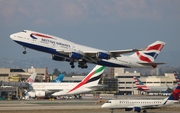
pixel 93 53
pixel 113 53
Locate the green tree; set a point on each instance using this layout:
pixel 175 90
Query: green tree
pixel 56 72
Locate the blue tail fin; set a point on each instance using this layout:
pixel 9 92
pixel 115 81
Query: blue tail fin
pixel 175 94
pixel 59 78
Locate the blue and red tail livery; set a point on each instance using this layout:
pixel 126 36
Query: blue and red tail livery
pixel 151 52
pixel 175 94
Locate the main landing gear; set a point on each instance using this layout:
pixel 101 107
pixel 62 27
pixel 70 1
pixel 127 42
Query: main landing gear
pixel 80 64
pixel 24 52
pixel 72 64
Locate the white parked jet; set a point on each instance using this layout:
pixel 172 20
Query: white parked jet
pixel 89 83
pixel 64 50
pixel 138 105
pixel 151 89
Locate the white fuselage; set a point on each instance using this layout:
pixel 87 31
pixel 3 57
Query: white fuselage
pixel 122 104
pixel 59 89
pixel 54 45
pixel 155 89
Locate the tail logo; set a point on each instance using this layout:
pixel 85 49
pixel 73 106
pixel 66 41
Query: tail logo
pixel 87 79
pixel 175 94
pixel 30 80
pixel 150 53
pixel 139 84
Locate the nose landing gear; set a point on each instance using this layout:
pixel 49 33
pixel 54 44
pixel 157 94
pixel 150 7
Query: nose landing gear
pixel 24 52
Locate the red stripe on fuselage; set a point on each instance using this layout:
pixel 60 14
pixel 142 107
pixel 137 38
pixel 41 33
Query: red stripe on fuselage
pixel 41 35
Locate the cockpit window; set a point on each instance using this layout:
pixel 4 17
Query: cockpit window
pixel 108 101
pixel 24 31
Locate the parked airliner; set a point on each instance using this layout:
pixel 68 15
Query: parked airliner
pixel 59 78
pixel 138 105
pixel 89 83
pixel 177 77
pixel 151 89
pixel 64 50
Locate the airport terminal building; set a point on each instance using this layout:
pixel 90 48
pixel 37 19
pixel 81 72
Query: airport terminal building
pixel 118 81
pixel 126 84
pixel 21 75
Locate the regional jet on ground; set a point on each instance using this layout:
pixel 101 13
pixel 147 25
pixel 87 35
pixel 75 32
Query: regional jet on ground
pixel 64 50
pixel 89 83
pixel 151 89
pixel 138 105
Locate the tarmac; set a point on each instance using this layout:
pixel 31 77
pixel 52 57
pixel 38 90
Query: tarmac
pixel 85 105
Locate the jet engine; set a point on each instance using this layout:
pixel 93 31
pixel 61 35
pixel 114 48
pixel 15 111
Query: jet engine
pixel 138 109
pixel 40 93
pixel 128 109
pixel 102 55
pixel 75 55
pixel 37 94
pixel 57 58
pixel 32 94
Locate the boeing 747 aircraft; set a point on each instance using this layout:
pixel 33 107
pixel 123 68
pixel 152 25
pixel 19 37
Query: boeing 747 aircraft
pixel 138 105
pixel 64 50
pixel 151 89
pixel 89 83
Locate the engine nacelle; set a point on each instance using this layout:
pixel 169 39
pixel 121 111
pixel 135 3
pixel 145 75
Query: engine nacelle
pixel 138 109
pixel 128 109
pixel 57 58
pixel 36 94
pixel 102 55
pixel 74 55
pixel 40 93
pixel 32 94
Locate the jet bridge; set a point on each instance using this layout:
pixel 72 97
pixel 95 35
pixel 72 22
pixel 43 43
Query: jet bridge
pixel 16 84
pixel 10 89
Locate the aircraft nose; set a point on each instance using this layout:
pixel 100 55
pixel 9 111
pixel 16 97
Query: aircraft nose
pixel 103 106
pixel 12 36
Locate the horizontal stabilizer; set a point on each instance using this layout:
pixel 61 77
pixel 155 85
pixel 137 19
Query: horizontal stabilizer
pixel 99 86
pixel 151 63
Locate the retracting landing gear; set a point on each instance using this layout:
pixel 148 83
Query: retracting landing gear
pixel 82 64
pixel 24 52
pixel 72 64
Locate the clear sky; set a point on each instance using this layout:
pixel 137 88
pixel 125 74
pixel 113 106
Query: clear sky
pixel 103 24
